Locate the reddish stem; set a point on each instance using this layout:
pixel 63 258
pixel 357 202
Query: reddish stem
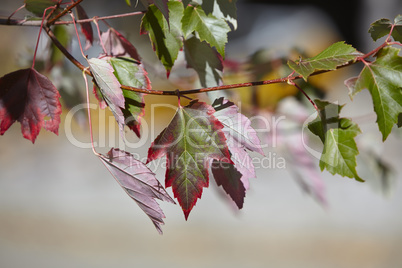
pixel 78 36
pixel 305 94
pixel 89 115
pixel 40 31
pixel 36 23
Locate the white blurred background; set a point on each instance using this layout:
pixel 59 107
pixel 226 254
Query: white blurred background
pixel 59 207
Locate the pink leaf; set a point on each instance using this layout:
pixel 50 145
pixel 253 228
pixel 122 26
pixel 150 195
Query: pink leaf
pixel 29 97
pixel 240 135
pixel 138 182
pixel 110 88
pixel 117 45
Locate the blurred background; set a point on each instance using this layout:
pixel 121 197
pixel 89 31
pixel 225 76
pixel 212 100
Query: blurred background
pixel 59 206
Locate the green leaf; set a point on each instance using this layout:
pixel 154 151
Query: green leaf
pixel 340 150
pixel 131 74
pixel 209 66
pixel 62 34
pixel 192 139
pixel 334 56
pixel 328 118
pixel 222 9
pixel 128 2
pixel 166 41
pixel 110 88
pixel 37 7
pixel 383 78
pixel 162 5
pixel 209 28
pixel 337 135
pixel 382 27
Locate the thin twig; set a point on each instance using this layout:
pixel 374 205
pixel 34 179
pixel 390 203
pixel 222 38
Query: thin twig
pixel 305 94
pixel 15 22
pixel 64 12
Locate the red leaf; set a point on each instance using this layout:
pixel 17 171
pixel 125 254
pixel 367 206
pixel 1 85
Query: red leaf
pixel 99 97
pixel 227 176
pixel 192 139
pixel 29 97
pixel 86 27
pixel 138 182
pixel 240 135
pixel 117 45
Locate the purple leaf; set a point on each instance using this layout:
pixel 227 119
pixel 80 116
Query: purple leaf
pixel 86 27
pixel 29 97
pixel 227 176
pixel 138 182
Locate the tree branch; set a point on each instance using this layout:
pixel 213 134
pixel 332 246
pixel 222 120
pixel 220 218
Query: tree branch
pixel 16 22
pixel 64 12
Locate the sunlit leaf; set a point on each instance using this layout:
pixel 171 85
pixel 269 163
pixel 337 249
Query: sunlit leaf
pixel 222 9
pixel 192 139
pixel 209 28
pixel 383 78
pixel 334 56
pixel 129 73
pixel 109 86
pixel 166 37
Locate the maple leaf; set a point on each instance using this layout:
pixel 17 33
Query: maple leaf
pixel 162 5
pixel 86 27
pixel 227 176
pixel 209 67
pixel 138 182
pixel 109 86
pixel 383 27
pixel 221 9
pixel 383 79
pixel 336 55
pixel 240 136
pixel 131 74
pixel 191 140
pixel 209 28
pixel 337 134
pixel 166 37
pixel 117 45
pixel 29 97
